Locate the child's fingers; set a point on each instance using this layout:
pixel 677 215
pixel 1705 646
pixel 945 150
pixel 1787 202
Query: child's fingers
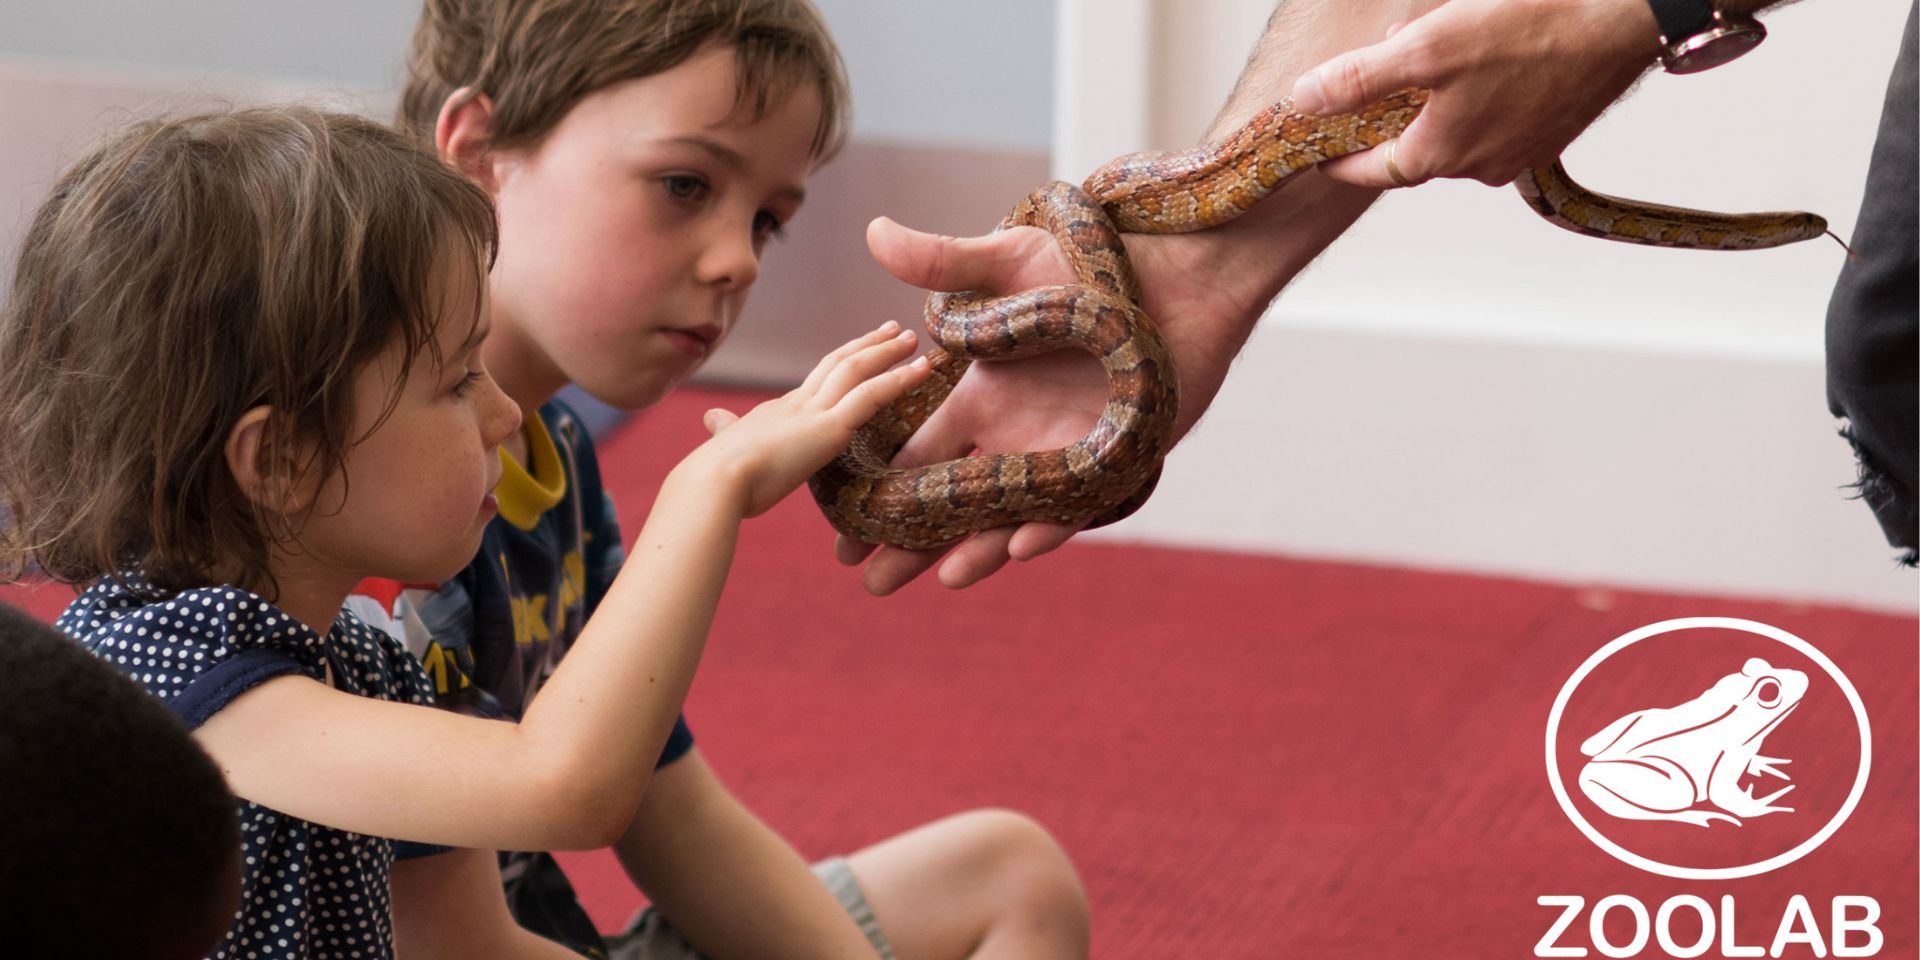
pixel 863 401
pixel 717 420
pixel 831 361
pixel 850 551
pixel 860 366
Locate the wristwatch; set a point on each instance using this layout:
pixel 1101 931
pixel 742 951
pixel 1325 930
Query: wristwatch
pixel 1694 36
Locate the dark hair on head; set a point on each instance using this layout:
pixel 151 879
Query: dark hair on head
pixel 183 272
pixel 536 59
pixel 120 837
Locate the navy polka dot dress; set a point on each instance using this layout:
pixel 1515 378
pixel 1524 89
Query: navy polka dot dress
pixel 307 891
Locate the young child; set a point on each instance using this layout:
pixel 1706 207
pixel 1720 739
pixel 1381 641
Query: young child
pixel 644 154
pixel 120 836
pixel 240 372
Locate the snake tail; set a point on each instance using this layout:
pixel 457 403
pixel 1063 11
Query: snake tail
pixel 1557 198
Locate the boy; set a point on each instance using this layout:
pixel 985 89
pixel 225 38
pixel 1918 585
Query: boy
pixel 642 153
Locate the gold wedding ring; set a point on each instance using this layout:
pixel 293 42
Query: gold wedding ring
pixel 1393 169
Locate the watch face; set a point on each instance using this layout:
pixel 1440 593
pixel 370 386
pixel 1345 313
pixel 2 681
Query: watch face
pixel 1704 51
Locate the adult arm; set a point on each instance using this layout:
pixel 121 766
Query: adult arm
pixel 1513 81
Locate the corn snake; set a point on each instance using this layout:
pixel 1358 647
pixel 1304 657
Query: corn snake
pixel 1110 472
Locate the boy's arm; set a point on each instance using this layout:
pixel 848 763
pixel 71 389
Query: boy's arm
pixel 452 906
pixel 729 884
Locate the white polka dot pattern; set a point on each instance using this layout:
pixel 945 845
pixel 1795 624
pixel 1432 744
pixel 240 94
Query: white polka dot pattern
pixel 307 891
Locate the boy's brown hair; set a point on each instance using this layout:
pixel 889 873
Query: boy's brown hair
pixel 183 272
pixel 537 59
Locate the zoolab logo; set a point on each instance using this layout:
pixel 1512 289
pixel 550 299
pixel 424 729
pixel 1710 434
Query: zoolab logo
pixel 1709 749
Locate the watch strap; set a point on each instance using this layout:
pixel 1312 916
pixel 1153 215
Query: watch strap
pixel 1680 19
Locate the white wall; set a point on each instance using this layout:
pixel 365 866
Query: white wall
pixel 1458 384
pixel 925 71
pixel 976 74
pixel 357 44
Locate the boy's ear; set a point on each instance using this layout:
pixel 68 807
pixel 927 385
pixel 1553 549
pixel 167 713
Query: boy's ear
pixel 278 486
pixel 463 135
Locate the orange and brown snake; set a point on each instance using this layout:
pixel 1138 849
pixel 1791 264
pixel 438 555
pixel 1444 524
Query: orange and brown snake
pixel 1110 472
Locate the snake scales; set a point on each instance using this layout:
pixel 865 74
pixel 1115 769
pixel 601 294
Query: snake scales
pixel 1110 472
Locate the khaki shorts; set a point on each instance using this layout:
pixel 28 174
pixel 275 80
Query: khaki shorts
pixel 650 937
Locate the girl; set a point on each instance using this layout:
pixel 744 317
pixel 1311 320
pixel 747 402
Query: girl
pixel 239 373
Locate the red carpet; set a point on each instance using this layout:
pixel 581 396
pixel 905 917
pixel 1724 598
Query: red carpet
pixel 1246 756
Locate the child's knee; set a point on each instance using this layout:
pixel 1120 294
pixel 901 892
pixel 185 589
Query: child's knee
pixel 1026 866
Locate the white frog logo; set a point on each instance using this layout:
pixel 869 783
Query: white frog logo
pixel 1663 763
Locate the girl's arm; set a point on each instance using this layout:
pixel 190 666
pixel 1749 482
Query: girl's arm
pixel 706 861
pixel 571 773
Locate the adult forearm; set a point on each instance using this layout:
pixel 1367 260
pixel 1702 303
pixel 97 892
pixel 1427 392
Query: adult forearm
pixel 1215 285
pixel 1301 34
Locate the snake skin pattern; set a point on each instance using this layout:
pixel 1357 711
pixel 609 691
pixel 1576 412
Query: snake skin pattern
pixel 1553 195
pixel 1110 472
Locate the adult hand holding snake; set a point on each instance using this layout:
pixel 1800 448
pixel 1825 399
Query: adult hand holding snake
pixel 1521 77
pixel 1209 287
pixel 1513 82
pixel 1207 291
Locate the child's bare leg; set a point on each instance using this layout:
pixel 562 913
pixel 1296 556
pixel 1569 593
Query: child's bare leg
pixel 982 884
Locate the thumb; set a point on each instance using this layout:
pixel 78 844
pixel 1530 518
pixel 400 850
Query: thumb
pixel 716 420
pixel 952 263
pixel 1356 78
pixel 922 259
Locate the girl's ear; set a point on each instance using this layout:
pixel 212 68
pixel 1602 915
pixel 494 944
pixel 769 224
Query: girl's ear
pixel 277 486
pixel 463 135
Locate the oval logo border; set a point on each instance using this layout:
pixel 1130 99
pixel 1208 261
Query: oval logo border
pixel 1708 873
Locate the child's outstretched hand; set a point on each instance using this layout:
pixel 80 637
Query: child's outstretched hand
pixel 778 444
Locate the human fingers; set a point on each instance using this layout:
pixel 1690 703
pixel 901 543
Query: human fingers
pixel 865 399
pixel 866 366
pixel 939 438
pixel 982 556
pixel 967 562
pixel 976 558
pixel 893 567
pixel 1037 539
pixel 849 552
pixel 1359 77
pixel 716 420
pixel 1006 260
pixel 831 362
pixel 1396 163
